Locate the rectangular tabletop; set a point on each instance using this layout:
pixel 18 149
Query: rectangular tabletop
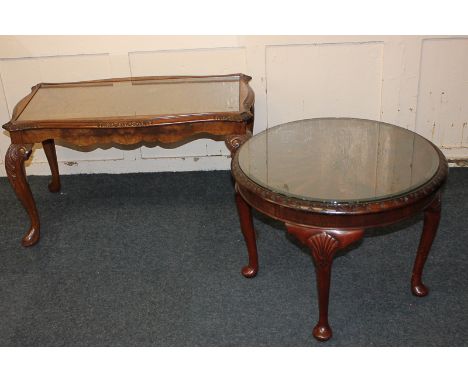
pixel 226 97
pixel 134 98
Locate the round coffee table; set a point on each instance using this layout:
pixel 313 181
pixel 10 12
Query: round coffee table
pixel 328 179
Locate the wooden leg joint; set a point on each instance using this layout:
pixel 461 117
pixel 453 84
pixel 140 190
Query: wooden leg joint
pixel 323 244
pixel 233 142
pixel 15 157
pixel 431 223
pixel 247 228
pixel 49 149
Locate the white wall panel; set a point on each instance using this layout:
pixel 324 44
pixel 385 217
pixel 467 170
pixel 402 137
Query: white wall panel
pixel 322 80
pixel 188 62
pixel 400 81
pixel 443 92
pixel 195 148
pixel 41 46
pixel 4 117
pixel 418 82
pixel 19 75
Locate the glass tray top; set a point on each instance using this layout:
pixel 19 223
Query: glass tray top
pixel 134 97
pixel 339 160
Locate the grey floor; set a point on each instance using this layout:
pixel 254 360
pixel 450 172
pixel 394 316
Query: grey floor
pixel 155 259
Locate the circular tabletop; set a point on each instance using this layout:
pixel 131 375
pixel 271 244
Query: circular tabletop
pixel 340 160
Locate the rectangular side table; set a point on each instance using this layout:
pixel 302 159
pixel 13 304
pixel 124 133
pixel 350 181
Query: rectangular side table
pixel 123 111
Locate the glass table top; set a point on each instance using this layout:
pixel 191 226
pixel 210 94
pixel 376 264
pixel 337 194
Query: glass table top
pixel 135 97
pixel 338 160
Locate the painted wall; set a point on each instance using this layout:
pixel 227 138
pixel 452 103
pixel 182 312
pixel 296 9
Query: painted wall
pixel 418 82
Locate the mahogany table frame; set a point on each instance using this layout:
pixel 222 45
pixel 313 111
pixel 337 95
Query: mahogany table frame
pixel 326 228
pixel 232 127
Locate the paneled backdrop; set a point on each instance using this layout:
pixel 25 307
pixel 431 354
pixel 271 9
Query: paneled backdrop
pixel 418 82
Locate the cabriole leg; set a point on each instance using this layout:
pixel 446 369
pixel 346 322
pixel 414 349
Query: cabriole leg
pixel 323 245
pixel 49 148
pixel 431 223
pixel 246 222
pixel 15 157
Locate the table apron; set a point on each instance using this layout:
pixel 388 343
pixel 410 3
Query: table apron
pixel 338 220
pixel 132 135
